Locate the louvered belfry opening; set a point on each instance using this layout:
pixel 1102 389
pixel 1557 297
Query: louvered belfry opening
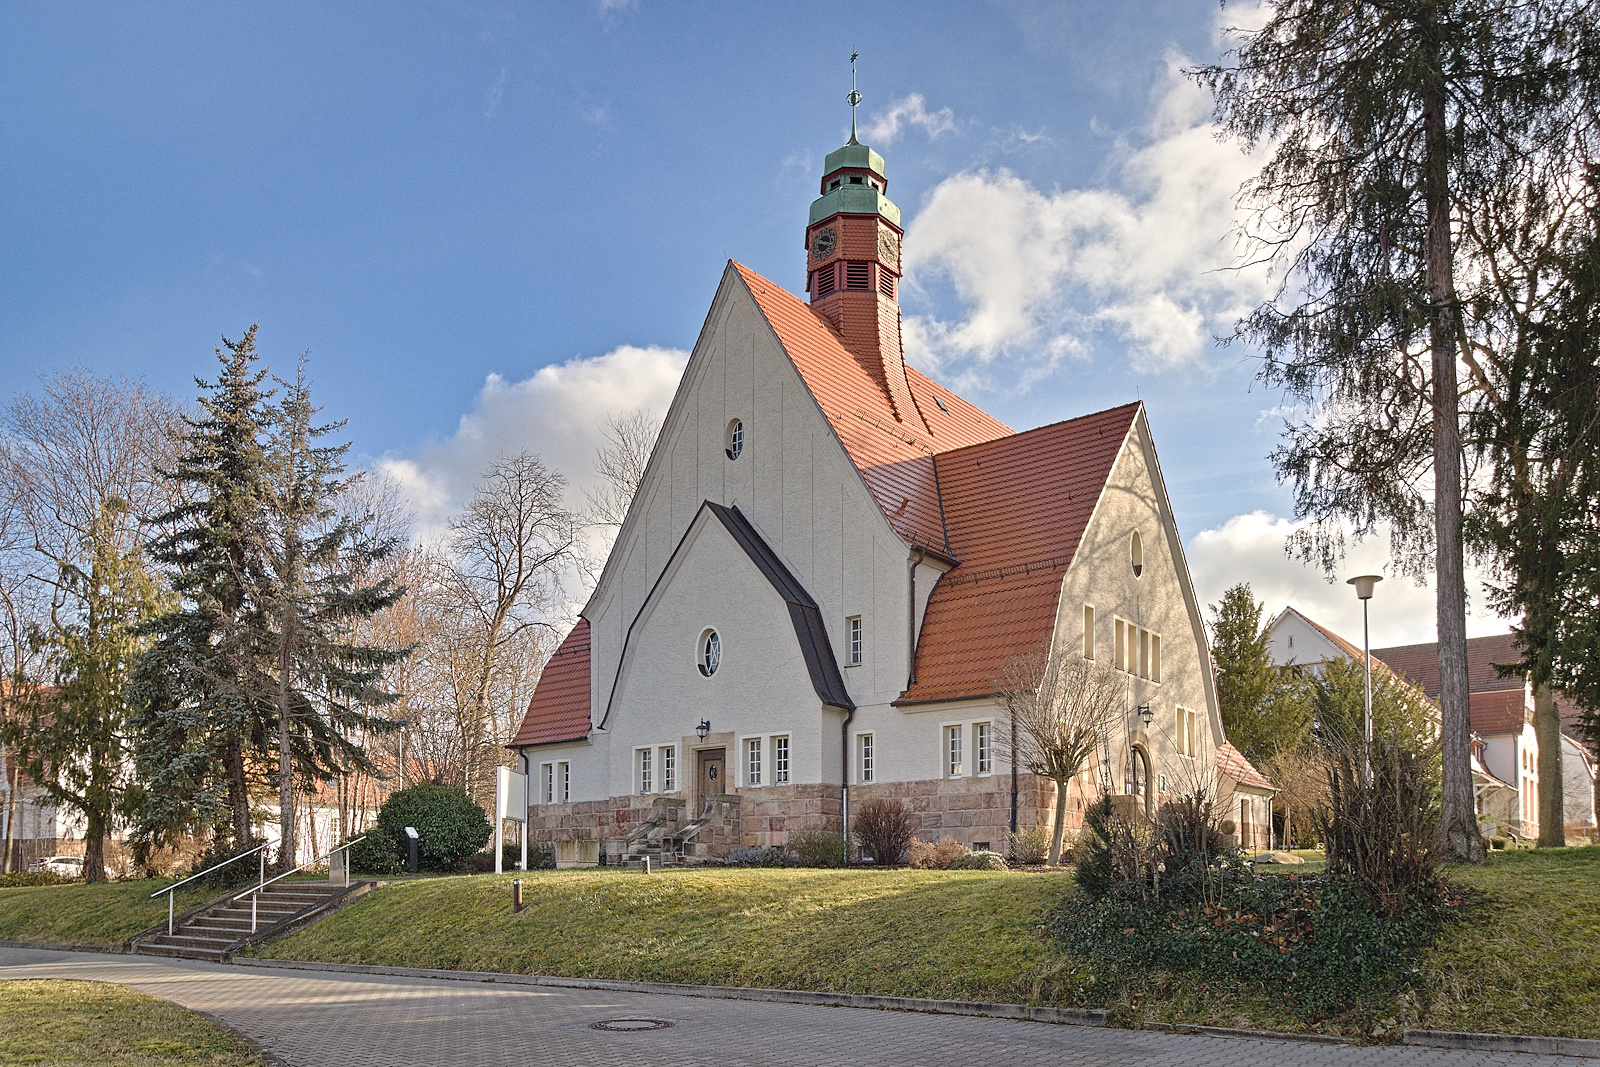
pixel 858 276
pixel 886 284
pixel 826 280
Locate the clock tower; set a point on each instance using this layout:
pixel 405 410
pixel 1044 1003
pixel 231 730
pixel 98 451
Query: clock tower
pixel 853 265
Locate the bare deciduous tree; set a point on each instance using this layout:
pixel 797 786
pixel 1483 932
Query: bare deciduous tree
pixel 620 464
pixel 503 585
pixel 1059 707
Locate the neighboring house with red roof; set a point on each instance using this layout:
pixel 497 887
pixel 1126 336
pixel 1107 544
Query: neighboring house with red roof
pixel 829 561
pixel 1505 752
pixel 1502 715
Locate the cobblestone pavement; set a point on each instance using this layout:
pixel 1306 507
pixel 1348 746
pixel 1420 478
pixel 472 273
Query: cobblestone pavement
pixel 321 1019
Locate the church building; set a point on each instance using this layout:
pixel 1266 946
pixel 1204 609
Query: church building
pixel 829 562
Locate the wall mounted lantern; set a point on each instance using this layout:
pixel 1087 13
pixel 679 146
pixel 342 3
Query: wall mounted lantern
pixel 703 729
pixel 1145 715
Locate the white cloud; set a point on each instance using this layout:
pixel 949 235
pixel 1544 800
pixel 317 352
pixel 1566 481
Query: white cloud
pixel 559 413
pixel 1038 272
pixel 905 113
pixel 1250 548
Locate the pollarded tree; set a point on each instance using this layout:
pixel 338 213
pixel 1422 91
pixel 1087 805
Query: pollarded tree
pixel 1391 125
pixel 1059 707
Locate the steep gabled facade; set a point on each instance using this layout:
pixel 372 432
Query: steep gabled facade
pixel 829 561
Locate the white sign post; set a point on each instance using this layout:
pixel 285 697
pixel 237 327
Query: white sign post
pixel 510 802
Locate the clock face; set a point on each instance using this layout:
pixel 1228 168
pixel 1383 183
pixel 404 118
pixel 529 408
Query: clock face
pixel 888 247
pixel 823 243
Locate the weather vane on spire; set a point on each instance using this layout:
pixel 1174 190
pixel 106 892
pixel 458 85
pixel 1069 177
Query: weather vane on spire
pixel 854 97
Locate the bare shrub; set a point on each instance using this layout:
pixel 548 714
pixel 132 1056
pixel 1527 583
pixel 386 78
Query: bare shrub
pixel 884 829
pixel 938 857
pixel 1030 846
pixel 1380 830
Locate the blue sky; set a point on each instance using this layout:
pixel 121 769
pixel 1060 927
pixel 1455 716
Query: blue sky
pixel 490 223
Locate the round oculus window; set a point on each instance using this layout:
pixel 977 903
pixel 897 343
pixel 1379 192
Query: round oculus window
pixel 1136 552
pixel 735 441
pixel 710 653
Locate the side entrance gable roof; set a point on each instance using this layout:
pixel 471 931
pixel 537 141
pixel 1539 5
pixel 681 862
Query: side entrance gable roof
pixel 804 614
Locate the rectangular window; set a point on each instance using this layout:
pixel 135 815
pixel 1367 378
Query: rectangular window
pixel 1144 653
pixel 1187 721
pixel 864 744
pixel 983 745
pixel 853 657
pixel 642 760
pixel 547 775
pixel 752 761
pixel 780 761
pixel 1121 656
pixel 953 751
pixel 1088 632
pixel 1155 657
pixel 564 773
pixel 669 769
pixel 1161 783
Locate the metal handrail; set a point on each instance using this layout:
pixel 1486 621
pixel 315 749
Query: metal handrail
pixel 255 894
pixel 216 867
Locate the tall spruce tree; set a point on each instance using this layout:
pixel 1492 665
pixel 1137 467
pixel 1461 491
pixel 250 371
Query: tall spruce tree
pixel 1390 126
pixel 327 687
pixel 1264 710
pixel 204 687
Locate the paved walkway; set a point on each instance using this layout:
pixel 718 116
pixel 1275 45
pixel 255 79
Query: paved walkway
pixel 321 1019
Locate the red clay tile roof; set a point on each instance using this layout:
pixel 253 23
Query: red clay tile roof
pixel 1016 508
pixel 1231 762
pixel 1499 711
pixel 895 457
pixel 1420 663
pixel 559 710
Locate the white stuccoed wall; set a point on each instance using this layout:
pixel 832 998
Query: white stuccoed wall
pixel 798 487
pixel 1161 600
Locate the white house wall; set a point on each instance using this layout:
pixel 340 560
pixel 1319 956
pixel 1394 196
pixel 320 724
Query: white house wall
pixel 1159 600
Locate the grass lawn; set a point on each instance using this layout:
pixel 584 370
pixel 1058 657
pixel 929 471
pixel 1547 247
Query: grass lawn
pixel 90 1024
pixel 79 914
pixel 1525 960
pixel 1530 956
pixel 958 935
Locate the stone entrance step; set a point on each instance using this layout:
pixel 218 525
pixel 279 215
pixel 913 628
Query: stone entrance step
pixel 217 930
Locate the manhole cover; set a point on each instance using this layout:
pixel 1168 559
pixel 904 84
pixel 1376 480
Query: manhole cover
pixel 628 1026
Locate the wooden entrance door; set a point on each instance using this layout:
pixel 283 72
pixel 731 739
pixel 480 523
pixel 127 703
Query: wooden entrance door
pixel 713 770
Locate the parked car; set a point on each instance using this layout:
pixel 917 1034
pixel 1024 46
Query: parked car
pixel 67 866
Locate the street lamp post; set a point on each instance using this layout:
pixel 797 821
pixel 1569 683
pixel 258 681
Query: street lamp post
pixel 1364 584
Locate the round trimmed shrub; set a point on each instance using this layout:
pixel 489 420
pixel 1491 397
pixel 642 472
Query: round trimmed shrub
pixel 450 827
pixel 376 853
pixel 981 860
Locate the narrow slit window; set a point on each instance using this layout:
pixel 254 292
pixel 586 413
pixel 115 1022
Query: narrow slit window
pixel 1155 657
pixel 857 645
pixel 547 777
pixel 565 772
pixel 864 742
pixel 983 745
pixel 1088 632
pixel 1121 655
pixel 669 769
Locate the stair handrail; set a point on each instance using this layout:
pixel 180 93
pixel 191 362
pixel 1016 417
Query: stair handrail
pixel 208 870
pixel 255 893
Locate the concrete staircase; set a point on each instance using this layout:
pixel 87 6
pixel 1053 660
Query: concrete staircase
pixel 220 929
